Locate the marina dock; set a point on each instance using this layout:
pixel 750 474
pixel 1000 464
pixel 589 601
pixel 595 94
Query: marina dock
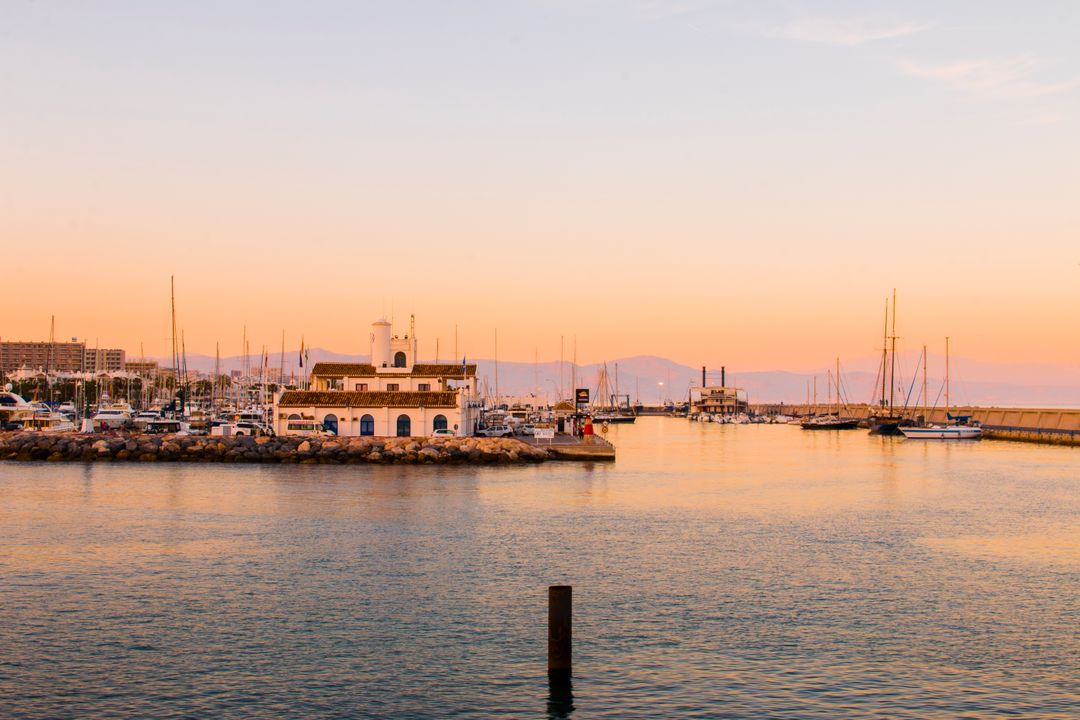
pixel 1056 426
pixel 568 447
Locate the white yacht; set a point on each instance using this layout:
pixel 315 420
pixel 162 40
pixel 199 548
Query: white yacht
pixel 113 417
pixel 48 422
pixel 12 408
pixel 961 429
pixel 143 418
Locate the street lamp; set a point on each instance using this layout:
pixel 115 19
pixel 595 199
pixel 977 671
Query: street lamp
pixel 660 393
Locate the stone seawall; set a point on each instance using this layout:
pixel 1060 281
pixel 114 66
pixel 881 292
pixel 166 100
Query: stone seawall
pixel 132 447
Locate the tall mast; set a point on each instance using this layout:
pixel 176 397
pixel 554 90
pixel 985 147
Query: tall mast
pixel 884 352
pixel 281 368
pixel 562 369
pixel 925 397
pixel 892 371
pixel 217 373
pixel 183 386
pixel 838 387
pixel 175 347
pixel 947 378
pixel 573 373
pixel 616 403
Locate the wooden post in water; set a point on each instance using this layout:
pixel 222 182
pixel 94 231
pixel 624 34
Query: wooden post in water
pixel 560 624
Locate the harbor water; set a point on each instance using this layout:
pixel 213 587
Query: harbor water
pixel 719 571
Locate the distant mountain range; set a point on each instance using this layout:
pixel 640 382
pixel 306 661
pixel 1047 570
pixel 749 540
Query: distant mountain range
pixel 651 379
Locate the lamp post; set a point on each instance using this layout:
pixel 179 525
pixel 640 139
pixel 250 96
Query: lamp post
pixel 660 393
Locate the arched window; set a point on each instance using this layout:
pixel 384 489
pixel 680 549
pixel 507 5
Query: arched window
pixel 330 423
pixel 367 425
pixel 399 359
pixel 404 426
pixel 439 423
pixel 294 416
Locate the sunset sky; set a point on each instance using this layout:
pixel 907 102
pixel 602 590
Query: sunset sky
pixel 709 181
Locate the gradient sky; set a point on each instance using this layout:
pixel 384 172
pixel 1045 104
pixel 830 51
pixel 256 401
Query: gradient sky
pixel 716 182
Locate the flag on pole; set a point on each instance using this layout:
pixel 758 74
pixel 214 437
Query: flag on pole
pixel 301 352
pixel 463 370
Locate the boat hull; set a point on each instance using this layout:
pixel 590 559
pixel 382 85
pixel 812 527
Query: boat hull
pixel 831 425
pixel 885 425
pixel 942 433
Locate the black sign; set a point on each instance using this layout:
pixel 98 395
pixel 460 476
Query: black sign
pixel 581 396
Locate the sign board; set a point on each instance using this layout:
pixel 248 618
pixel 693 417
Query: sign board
pixel 581 396
pixel 547 433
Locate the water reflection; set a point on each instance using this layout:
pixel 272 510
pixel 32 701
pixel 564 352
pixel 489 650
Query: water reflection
pixel 771 572
pixel 560 702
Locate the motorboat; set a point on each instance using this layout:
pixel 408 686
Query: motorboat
pixel 113 417
pixel 47 422
pixel 12 408
pixel 143 418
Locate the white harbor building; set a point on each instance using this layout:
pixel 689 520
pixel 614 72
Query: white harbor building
pixel 393 395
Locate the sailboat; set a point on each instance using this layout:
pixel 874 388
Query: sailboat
pixel 616 412
pixel 832 421
pixel 887 421
pixel 957 427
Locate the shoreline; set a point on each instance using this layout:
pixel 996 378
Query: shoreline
pixel 286 449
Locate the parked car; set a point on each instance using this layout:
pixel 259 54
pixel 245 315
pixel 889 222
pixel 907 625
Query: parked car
pixel 495 431
pixel 443 432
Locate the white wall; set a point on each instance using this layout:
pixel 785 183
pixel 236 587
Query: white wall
pixel 422 419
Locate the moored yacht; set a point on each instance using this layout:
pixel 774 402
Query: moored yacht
pixel 957 427
pixel 47 422
pixel 113 417
pixel 962 429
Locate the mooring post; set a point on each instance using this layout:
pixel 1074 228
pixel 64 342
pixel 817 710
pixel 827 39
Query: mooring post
pixel 560 624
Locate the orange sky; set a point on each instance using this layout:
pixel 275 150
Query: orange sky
pixel 654 194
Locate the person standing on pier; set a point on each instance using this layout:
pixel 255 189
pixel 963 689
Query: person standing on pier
pixel 587 431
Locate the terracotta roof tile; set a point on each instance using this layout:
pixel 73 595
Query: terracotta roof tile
pixel 351 369
pixel 311 398
pixel 324 369
pixel 442 370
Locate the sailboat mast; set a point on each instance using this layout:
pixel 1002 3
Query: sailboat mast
pixel 496 367
pixel 925 384
pixel 175 348
pixel 892 371
pixel 884 352
pixel 616 385
pixel 573 373
pixel 562 369
pixel 838 387
pixel 217 373
pixel 947 406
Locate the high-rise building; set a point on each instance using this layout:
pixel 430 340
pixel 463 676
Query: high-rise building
pixel 100 360
pixel 56 356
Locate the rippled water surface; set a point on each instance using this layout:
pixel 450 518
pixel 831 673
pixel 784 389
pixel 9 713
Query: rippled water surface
pixel 718 571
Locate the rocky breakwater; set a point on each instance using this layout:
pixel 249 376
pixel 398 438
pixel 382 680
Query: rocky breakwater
pixel 131 447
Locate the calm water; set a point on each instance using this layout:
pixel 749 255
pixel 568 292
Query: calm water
pixel 719 571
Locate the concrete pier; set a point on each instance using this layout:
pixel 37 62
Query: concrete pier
pixel 1058 426
pixel 567 447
